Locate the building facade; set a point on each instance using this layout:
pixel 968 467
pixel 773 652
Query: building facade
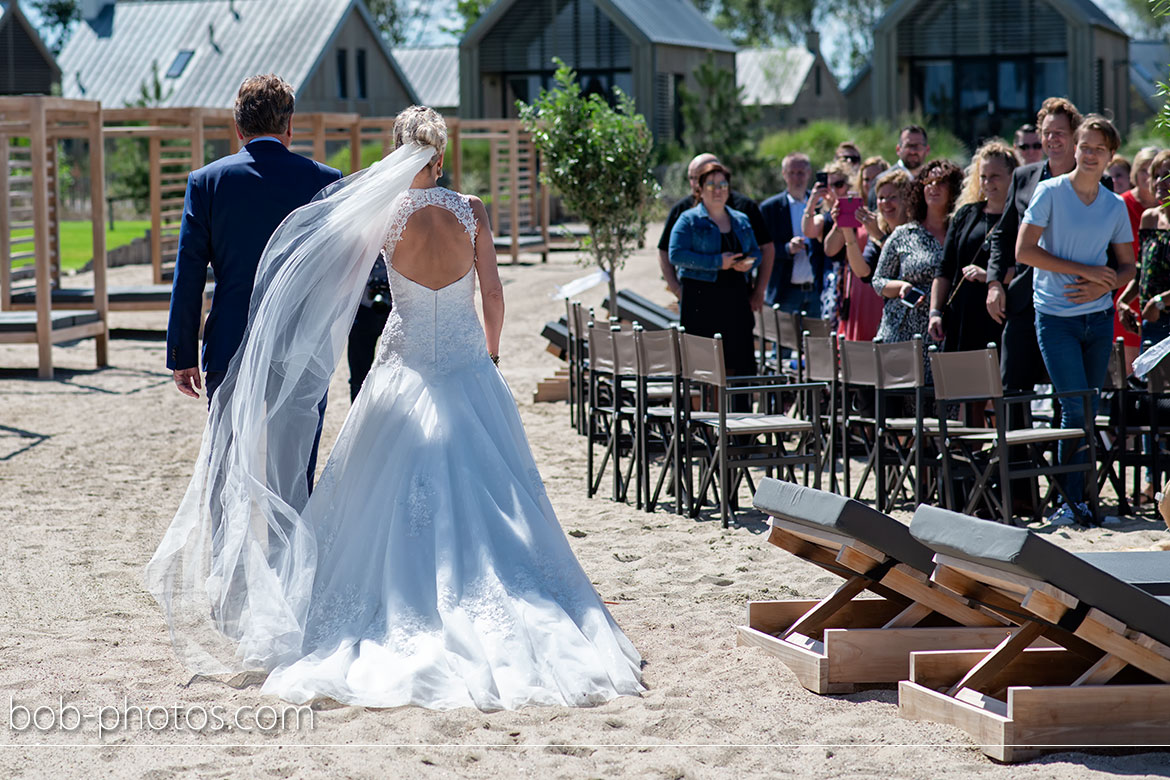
pixel 27 67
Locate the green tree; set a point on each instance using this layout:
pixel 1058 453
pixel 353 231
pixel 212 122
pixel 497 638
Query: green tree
pixel 1152 15
pixel 715 118
pixel 598 158
pixel 394 17
pixel 59 17
pixel 469 12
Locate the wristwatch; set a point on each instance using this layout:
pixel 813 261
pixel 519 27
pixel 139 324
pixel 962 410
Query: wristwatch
pixel 1159 304
pixel 936 313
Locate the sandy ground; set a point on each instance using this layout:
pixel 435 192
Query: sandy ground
pixel 93 463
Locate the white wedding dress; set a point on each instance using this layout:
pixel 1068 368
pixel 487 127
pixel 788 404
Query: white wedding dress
pixel 443 578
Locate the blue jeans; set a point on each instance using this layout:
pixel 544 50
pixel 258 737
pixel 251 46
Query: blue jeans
pixel 1076 353
pixel 796 299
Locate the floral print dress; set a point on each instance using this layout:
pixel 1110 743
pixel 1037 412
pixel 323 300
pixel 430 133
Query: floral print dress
pixel 911 254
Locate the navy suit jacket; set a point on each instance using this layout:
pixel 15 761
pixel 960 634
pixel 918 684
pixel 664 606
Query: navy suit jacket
pixel 232 207
pixel 779 221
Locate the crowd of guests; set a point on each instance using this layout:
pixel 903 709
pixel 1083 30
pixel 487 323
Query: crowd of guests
pixel 1050 247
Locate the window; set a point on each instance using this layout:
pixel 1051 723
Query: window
pixel 817 68
pixel 179 64
pixel 360 68
pixel 342 74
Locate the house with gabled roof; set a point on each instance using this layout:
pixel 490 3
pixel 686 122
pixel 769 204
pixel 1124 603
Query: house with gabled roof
pixel 329 50
pixel 790 86
pixel 983 68
pixel 648 48
pixel 27 67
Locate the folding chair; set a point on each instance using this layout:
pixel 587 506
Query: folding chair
pixel 821 365
pixel 1105 683
pixel 961 377
pixel 731 439
pixel 577 354
pixel 659 366
pixel 858 375
pixel 611 360
pixel 840 642
pixel 767 340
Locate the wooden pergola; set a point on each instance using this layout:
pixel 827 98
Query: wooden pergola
pixel 176 139
pixel 30 128
pixel 312 131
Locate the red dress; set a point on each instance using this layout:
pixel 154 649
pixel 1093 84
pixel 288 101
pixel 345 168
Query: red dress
pixel 865 305
pixel 1135 208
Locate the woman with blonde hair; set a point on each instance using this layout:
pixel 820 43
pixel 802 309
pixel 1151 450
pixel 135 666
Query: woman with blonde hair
pixel 958 314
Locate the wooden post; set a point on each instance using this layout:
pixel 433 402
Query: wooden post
pixel 54 208
pixel 5 228
pixel 156 208
pixel 545 205
pixel 355 147
pixel 494 184
pixel 97 196
pixel 514 185
pixel 319 137
pixel 196 138
pixel 38 147
pixel 455 144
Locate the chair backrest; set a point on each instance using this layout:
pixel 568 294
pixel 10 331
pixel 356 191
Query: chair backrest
pixel 788 329
pixel 625 351
pixel 820 358
pixel 702 359
pixel 658 352
pixel 900 365
pixel 972 374
pixel 858 363
pixel 815 327
pixel 600 349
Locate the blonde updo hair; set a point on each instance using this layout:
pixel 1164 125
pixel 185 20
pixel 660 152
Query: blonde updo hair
pixel 421 125
pixel 972 186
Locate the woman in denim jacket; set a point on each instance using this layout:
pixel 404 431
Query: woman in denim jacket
pixel 714 249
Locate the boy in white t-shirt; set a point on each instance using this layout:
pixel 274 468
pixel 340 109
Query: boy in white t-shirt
pixel 1065 234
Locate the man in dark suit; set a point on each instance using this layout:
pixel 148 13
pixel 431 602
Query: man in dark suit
pixel 798 275
pixel 737 201
pixel 232 207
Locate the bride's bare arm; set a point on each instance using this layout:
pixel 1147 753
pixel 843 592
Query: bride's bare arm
pixel 490 287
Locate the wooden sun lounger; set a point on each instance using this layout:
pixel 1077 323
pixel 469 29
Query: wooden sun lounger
pixel 843 641
pixel 1105 684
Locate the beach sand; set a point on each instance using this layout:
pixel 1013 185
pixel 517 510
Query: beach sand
pixel 92 467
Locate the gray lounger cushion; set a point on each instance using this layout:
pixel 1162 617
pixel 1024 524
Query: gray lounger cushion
pixel 1021 552
pixel 829 511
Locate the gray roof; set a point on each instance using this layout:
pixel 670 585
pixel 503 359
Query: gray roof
pixel 1149 63
pixel 107 58
pixel 1086 10
pixel 672 22
pixel 772 77
pixel 433 72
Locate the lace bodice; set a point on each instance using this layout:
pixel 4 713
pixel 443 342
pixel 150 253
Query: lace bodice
pixel 431 330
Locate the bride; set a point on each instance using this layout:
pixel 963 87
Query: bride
pixel 428 566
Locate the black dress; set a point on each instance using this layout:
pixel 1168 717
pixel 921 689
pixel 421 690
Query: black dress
pixel 723 306
pixel 966 321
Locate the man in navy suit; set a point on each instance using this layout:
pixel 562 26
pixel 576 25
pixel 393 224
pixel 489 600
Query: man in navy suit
pixel 232 207
pixel 798 274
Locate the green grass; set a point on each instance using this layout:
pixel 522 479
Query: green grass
pixel 77 241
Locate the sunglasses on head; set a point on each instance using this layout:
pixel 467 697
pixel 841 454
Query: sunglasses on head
pixel 853 158
pixel 1030 147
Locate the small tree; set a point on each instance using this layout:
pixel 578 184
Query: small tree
pixel 715 117
pixel 598 158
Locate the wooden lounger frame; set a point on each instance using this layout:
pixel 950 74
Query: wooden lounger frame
pixel 841 642
pixel 1018 699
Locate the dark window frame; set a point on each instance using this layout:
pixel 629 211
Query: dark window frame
pixel 360 74
pixel 180 63
pixel 343 74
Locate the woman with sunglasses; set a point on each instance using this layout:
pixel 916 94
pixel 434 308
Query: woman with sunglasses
pixel 859 310
pixel 714 249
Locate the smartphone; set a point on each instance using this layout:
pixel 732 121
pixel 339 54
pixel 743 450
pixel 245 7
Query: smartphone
pixel 912 297
pixel 823 178
pixel 847 217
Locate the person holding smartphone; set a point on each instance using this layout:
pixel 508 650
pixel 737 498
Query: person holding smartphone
pixel 913 253
pixel 1066 234
pixel 958 310
pixel 714 249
